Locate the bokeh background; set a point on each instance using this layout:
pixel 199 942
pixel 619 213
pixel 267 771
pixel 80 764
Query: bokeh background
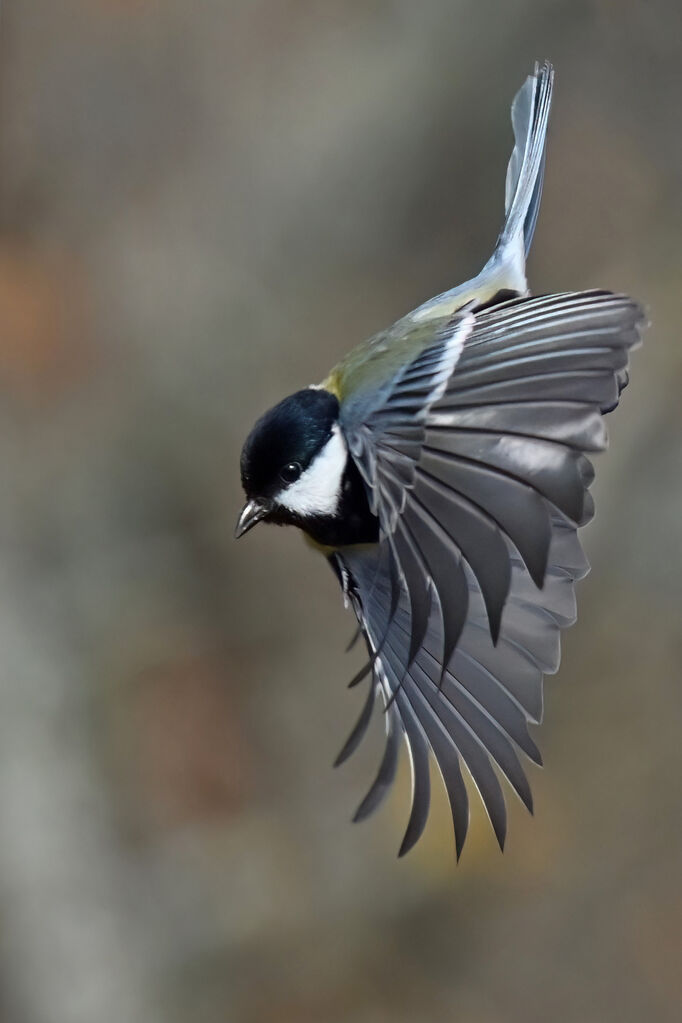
pixel 202 206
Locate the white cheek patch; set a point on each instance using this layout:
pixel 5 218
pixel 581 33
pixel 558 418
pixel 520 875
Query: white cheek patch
pixel 318 490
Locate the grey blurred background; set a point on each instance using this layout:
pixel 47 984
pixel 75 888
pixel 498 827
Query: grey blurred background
pixel 202 207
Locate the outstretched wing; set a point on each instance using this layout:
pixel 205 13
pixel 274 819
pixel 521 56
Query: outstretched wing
pixel 480 482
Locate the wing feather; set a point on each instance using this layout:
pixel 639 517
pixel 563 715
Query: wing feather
pixel 474 462
pixel 418 747
pixel 385 776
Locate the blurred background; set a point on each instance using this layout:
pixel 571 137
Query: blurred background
pixel 202 207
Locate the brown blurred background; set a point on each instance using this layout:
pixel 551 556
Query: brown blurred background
pixel 202 206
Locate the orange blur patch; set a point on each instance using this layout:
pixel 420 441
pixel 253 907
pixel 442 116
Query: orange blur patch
pixel 43 299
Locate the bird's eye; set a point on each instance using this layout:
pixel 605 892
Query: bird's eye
pixel 290 472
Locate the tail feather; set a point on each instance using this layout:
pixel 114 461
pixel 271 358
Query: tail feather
pixel 505 271
pixel 525 173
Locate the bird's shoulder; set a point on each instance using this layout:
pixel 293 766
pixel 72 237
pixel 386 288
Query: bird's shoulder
pixel 372 365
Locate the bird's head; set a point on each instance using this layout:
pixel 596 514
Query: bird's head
pixel 293 461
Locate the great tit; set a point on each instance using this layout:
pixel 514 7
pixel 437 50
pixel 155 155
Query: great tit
pixel 441 468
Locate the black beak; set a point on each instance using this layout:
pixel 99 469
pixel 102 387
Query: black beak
pixel 252 513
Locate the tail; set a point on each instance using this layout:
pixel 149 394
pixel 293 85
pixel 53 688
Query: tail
pixel 506 268
pixel 525 173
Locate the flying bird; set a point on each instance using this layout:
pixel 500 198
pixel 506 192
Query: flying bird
pixel 442 470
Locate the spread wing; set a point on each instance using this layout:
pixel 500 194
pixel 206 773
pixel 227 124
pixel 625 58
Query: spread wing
pixel 475 465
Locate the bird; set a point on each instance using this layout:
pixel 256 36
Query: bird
pixel 443 470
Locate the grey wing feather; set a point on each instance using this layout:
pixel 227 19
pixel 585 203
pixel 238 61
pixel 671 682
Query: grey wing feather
pixel 480 494
pixel 387 769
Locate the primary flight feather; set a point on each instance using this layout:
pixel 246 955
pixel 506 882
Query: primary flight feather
pixel 442 469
